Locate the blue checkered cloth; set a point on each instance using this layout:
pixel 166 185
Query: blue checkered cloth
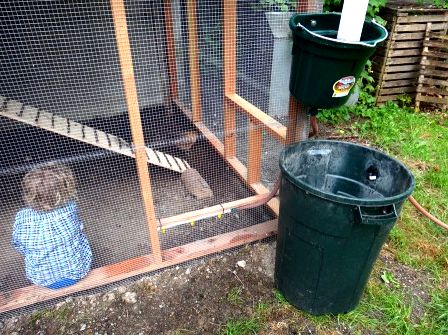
pixel 53 243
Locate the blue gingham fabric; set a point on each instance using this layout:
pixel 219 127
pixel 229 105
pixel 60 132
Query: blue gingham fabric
pixel 53 243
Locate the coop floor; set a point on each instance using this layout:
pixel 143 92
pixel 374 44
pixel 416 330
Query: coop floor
pixel 109 195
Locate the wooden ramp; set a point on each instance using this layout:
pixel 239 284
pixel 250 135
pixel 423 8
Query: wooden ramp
pixel 41 119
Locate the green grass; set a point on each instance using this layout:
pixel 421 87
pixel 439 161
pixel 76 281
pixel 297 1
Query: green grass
pixel 234 296
pixel 420 141
pixel 242 327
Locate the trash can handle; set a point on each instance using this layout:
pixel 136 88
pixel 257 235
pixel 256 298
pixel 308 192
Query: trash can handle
pixel 376 220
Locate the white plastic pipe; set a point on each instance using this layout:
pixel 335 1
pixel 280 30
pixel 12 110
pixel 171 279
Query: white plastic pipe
pixel 352 20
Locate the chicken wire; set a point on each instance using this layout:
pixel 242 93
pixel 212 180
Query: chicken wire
pixel 59 60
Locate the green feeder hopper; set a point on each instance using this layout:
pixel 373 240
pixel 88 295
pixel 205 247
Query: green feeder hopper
pixel 324 69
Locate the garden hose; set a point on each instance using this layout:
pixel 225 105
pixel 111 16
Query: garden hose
pixel 427 214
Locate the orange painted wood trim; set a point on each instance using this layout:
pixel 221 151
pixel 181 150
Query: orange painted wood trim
pixel 234 163
pixel 254 151
pixel 132 267
pixel 229 129
pixel 209 212
pixel 292 119
pixel 170 48
pixel 271 125
pixel 130 90
pixel 230 46
pixel 193 52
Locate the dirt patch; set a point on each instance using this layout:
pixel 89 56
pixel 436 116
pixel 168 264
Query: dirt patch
pixel 201 298
pixel 198 299
pixel 414 284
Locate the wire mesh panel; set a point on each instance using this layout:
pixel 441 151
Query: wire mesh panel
pixel 170 119
pixel 63 103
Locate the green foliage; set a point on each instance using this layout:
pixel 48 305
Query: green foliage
pixel 234 296
pixel 242 327
pixel 276 5
pixel 280 298
pixel 437 3
pixel 389 278
pixel 372 10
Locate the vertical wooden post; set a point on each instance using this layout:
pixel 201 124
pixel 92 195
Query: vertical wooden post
pixel 254 153
pixel 193 50
pixel 130 90
pixel 422 68
pixel 298 121
pixel 229 77
pixel 170 49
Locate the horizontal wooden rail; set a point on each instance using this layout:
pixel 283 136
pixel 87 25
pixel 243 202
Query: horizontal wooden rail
pixel 208 212
pixel 132 267
pixel 271 125
pixel 234 162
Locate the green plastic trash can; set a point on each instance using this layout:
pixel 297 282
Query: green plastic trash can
pixel 338 202
pixel 325 69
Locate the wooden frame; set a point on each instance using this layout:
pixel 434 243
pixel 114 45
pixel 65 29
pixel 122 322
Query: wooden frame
pixel 259 122
pixel 170 49
pixel 193 50
pixel 130 90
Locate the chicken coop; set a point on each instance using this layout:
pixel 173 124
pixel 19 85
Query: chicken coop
pixel 162 109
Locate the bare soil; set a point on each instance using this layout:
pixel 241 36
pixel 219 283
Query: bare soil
pixel 197 298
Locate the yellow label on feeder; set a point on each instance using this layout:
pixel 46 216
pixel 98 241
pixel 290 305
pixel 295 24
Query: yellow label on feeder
pixel 163 230
pixel 342 87
pixel 219 215
pixel 192 223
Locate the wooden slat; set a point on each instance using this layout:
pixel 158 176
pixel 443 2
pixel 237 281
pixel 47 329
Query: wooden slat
pixel 435 54
pixel 399 90
pixel 433 44
pixel 408 36
pixel 422 18
pixel 434 63
pixel 405 52
pixel 82 133
pixel 111 273
pixel 271 125
pixel 432 81
pixel 193 55
pixel 407 45
pixel 433 91
pixel 170 48
pixel 402 68
pixel 400 75
pixel 254 153
pixel 434 100
pixel 418 27
pixel 397 83
pixel 130 90
pixel 391 97
pixel 403 60
pixel 433 73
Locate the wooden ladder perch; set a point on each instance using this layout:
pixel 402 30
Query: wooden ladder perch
pixel 41 119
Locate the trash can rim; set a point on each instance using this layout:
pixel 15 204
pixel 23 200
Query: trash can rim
pixel 342 199
pixel 371 44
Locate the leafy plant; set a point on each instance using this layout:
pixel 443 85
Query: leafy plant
pixel 437 3
pixel 373 8
pixel 389 278
pixel 276 5
pixel 241 327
